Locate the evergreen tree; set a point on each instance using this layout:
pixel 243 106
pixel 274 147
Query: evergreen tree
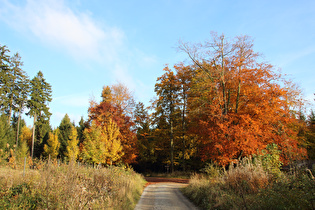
pixel 40 95
pixel 4 77
pixel 80 129
pixel 6 132
pixel 64 134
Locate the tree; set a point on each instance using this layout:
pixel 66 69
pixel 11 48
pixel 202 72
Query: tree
pixel 72 149
pixel 239 105
pixel 167 89
pixel 40 95
pixel 111 108
pixel 65 130
pixel 18 85
pixel 6 132
pixel 113 147
pixel 80 129
pixel 93 146
pixel 102 144
pixel 26 135
pixel 4 77
pixel 146 143
pixel 311 136
pixel 52 147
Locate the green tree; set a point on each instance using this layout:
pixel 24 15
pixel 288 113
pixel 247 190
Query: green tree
pixel 40 95
pixel 80 129
pixel 64 134
pixel 18 85
pixel 6 132
pixel 4 77
pixel 146 143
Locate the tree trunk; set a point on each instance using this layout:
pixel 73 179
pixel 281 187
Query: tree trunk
pixel 172 148
pixel 18 128
pixel 33 136
pixel 10 111
pixel 183 130
pixel 238 97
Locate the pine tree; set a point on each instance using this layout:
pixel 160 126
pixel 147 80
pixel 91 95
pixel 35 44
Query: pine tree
pixel 4 78
pixel 65 128
pixel 40 95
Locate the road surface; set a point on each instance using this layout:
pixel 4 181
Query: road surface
pixel 164 196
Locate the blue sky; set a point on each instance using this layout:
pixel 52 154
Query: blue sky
pixel 82 45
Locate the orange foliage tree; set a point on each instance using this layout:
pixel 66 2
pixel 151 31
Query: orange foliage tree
pixel 114 107
pixel 239 105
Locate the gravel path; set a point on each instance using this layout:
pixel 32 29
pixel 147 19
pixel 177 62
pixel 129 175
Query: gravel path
pixel 163 196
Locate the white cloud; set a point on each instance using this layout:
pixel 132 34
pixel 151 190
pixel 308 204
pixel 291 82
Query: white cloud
pixel 56 25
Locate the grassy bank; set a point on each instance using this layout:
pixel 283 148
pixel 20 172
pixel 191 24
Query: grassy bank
pixel 250 186
pixel 69 187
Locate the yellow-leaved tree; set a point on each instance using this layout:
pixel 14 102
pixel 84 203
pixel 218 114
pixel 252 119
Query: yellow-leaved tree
pixel 102 144
pixel 26 135
pixel 113 144
pixel 72 149
pixel 52 146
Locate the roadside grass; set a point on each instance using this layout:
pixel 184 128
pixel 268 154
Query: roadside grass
pixel 249 186
pixel 69 186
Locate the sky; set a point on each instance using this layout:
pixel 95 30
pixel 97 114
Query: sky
pixel 83 45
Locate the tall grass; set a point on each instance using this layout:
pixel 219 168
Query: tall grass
pixel 249 186
pixel 69 186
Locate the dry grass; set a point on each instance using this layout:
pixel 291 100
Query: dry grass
pixel 70 187
pixel 249 186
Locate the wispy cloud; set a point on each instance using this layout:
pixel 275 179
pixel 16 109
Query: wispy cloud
pixel 56 25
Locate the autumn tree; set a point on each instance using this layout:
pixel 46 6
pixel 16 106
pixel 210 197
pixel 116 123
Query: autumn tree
pixel 102 144
pixel 72 149
pixel 26 135
pixel 311 135
pixel 52 147
pixel 239 105
pixel 167 88
pixel 111 108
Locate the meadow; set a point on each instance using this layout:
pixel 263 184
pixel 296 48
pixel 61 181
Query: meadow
pixel 54 185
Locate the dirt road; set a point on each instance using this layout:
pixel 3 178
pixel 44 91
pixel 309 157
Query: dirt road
pixel 164 195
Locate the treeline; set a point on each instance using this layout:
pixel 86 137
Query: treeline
pixel 225 104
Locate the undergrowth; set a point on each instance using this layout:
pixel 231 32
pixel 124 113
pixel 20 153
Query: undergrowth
pixel 69 186
pixel 248 185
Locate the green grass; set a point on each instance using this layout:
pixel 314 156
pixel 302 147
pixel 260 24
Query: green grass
pixel 70 187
